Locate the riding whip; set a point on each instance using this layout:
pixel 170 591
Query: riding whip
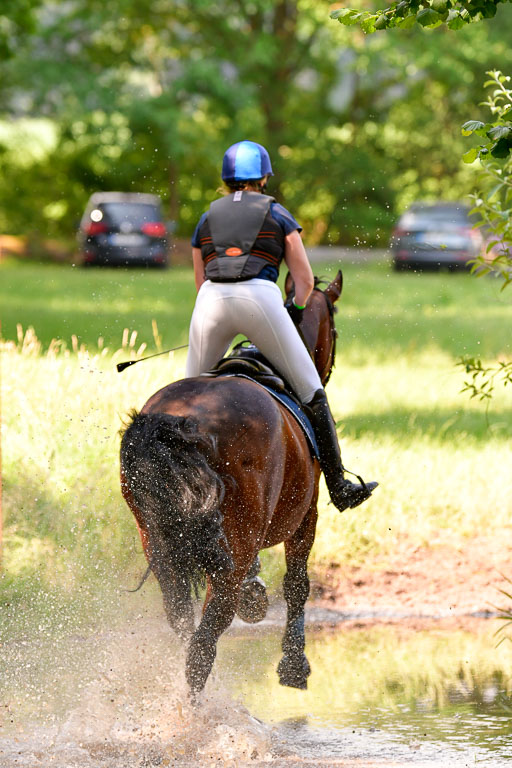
pixel 121 366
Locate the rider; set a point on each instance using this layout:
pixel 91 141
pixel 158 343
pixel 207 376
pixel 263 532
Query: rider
pixel 237 248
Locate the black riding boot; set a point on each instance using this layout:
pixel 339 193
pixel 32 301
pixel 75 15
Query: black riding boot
pixel 343 493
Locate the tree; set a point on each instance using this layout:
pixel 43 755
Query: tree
pixel 150 98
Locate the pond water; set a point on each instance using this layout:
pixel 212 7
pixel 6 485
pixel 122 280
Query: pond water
pixel 377 696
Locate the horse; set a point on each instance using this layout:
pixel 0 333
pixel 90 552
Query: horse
pixel 215 470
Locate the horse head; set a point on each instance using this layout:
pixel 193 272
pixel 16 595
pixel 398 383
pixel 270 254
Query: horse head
pixel 317 327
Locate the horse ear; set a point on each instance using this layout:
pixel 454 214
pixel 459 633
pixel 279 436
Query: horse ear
pixel 288 284
pixel 334 289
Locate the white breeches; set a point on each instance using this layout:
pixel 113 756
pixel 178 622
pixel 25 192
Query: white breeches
pixel 255 309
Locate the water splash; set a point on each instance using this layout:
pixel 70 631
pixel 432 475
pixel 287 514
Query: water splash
pixel 125 705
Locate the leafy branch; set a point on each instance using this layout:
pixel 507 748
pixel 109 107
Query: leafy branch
pixel 483 378
pixel 454 14
pixel 493 202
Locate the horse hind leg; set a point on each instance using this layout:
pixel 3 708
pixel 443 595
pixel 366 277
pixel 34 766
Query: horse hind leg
pixel 177 600
pixel 294 669
pixel 217 616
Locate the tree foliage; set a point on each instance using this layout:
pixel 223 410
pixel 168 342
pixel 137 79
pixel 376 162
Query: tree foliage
pixel 122 96
pixel 493 202
pixel 17 19
pixel 404 14
pixel 493 209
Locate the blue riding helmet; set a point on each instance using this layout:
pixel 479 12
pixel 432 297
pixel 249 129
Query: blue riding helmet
pixel 246 160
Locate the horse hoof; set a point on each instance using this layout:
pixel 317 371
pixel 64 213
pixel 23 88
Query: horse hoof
pixel 253 601
pixel 294 673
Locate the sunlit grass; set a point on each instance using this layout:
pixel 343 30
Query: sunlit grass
pixel 381 314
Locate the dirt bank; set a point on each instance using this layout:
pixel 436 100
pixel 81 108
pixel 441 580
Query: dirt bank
pixel 450 581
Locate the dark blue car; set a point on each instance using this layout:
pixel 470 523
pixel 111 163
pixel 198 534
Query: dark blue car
pixel 123 229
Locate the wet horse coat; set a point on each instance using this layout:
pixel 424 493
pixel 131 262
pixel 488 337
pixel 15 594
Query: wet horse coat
pixel 215 470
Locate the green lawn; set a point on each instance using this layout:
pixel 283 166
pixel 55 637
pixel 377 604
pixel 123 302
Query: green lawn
pixel 59 301
pixel 381 313
pixel 443 460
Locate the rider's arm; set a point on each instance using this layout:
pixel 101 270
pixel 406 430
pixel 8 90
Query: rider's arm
pixel 198 263
pixel 297 262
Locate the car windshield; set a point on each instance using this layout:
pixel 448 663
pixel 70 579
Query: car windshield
pixel 137 214
pixel 431 218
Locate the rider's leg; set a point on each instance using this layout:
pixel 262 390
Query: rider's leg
pixel 343 493
pixel 211 331
pixel 270 327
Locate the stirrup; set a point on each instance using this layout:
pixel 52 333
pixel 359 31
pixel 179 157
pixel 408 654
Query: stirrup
pixel 349 495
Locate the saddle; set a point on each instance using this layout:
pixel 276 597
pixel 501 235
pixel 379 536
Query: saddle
pixel 248 362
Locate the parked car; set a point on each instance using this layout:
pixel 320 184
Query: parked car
pixel 123 228
pixel 430 236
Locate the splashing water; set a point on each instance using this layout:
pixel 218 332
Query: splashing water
pixel 125 704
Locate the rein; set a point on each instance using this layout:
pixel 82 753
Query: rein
pixel 331 360
pixel 327 370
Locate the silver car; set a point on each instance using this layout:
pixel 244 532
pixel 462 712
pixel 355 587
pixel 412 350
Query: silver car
pixel 431 236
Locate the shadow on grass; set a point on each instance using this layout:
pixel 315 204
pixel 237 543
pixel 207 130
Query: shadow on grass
pixel 443 424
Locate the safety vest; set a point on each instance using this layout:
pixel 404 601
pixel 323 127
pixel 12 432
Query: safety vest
pixel 240 237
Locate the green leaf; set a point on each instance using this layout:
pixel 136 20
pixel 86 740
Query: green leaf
pixel 501 149
pixel 343 15
pixel 382 21
pixel 495 189
pixel 470 126
pixel 427 17
pixel 499 132
pixel 401 9
pixel 407 22
pixel 471 155
pixel 456 21
pixel 440 6
pixel 368 24
pixel 489 10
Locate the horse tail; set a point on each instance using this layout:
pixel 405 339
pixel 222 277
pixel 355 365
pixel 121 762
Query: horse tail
pixel 165 462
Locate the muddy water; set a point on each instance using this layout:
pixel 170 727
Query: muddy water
pixel 383 696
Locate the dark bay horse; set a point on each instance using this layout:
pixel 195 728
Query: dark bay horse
pixel 215 470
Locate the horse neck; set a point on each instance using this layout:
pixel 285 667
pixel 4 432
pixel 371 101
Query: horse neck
pixel 318 330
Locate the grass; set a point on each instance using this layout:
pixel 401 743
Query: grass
pixel 382 314
pixel 62 301
pixel 443 460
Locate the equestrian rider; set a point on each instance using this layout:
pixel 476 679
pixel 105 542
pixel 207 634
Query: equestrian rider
pixel 237 248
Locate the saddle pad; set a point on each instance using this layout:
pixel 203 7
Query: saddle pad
pixel 290 406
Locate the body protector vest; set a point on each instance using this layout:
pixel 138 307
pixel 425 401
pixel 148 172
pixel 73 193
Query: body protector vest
pixel 235 223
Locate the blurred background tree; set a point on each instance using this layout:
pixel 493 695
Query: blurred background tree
pixel 137 96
